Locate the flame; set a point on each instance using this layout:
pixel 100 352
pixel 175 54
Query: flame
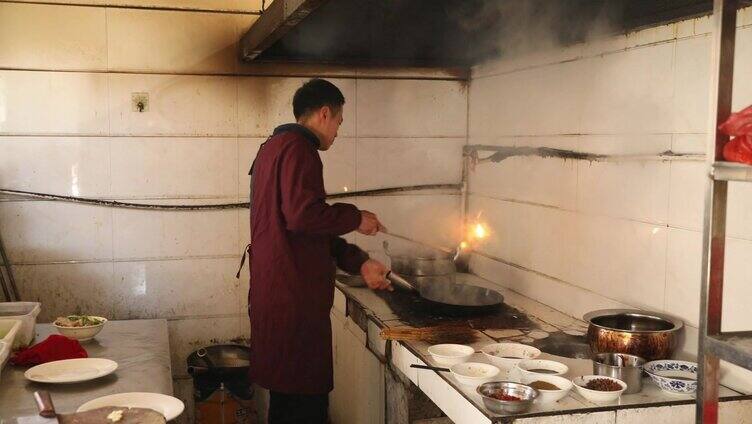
pixel 463 245
pixel 479 231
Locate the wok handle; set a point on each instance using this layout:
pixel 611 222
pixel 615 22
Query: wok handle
pixel 428 367
pixel 399 281
pixel 44 403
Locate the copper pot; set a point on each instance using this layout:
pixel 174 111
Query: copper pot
pixel 646 334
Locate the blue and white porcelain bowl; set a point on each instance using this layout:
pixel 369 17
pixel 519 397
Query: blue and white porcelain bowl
pixel 678 377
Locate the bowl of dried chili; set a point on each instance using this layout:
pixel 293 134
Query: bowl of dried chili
pixel 599 388
pixel 504 397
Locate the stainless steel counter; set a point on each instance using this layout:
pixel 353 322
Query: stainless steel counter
pixel 140 347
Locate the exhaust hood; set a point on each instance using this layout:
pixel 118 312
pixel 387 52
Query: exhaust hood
pixel 440 33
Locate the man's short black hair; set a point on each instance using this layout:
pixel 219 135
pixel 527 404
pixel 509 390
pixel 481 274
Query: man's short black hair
pixel 314 95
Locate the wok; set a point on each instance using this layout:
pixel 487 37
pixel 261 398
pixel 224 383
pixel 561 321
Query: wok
pixel 452 297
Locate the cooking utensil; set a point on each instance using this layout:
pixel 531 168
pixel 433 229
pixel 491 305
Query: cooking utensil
pixel 526 394
pixel 428 367
pixel 71 370
pixel 423 262
pixel 648 335
pixel 46 414
pixel 622 366
pixel 452 298
pixel 220 360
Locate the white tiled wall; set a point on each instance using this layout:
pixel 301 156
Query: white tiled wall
pixel 586 235
pixel 67 127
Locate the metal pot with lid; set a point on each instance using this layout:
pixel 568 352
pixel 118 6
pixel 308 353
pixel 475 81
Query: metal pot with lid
pixel 421 262
pixel 649 335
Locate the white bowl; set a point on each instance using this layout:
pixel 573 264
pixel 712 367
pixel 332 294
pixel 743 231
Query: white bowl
pixel 495 352
pixel 450 354
pixel 549 396
pixel 524 368
pixel 81 334
pixel 474 373
pixel 672 376
pixel 597 396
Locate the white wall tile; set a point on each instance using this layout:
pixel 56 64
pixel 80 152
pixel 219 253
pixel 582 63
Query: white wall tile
pixel 174 167
pixel 629 189
pixel 547 181
pixel 340 165
pixel 736 287
pixel 535 237
pixel 623 260
pixel 567 298
pixel 687 194
pixel 691 84
pixel 53 103
pixel 170 41
pixel 683 267
pixel 689 143
pixel 540 101
pixel 52 37
pixel 219 5
pixel 36 231
pixel 66 289
pixel 266 102
pixel 404 162
pixel 178 105
pixel 661 415
pixel 188 335
pixel 411 108
pixel 739 212
pixel 428 218
pixel 73 166
pixel 159 234
pixel 603 417
pixel 174 288
pixel 247 150
pixel 742 63
pixel 630 92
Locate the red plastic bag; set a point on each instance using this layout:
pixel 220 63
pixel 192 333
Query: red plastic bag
pixel 738 126
pixel 739 123
pixel 739 149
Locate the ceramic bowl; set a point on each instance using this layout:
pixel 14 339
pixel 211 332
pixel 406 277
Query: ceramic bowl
pixel 597 396
pixel 450 354
pixel 528 367
pixel 549 396
pixel 678 377
pixel 504 355
pixel 81 334
pixel 474 373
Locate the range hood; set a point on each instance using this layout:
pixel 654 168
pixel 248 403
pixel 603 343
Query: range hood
pixel 440 33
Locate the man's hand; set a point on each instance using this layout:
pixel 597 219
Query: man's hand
pixel 369 223
pixel 374 273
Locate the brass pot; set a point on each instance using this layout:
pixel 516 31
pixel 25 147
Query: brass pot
pixel 645 334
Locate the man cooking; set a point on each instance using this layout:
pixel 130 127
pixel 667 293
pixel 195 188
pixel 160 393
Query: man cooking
pixel 296 245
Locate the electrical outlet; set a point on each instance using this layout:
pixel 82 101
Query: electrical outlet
pixel 140 102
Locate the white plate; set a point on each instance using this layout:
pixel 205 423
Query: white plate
pixel 168 406
pixel 71 370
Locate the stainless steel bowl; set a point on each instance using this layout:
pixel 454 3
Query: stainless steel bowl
pixel 526 394
pixel 624 367
pixel 648 335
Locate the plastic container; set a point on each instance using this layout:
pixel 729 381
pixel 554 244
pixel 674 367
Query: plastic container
pixel 26 312
pixel 9 329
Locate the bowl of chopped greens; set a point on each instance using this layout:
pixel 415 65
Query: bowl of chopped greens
pixel 80 327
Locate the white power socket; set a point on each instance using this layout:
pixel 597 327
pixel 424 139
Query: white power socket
pixel 140 102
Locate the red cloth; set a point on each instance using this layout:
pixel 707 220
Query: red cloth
pixel 53 348
pixel 293 255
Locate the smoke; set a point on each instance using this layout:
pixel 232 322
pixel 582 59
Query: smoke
pixel 513 28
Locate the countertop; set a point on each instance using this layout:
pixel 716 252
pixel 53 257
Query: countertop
pixel 140 347
pixel 460 402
